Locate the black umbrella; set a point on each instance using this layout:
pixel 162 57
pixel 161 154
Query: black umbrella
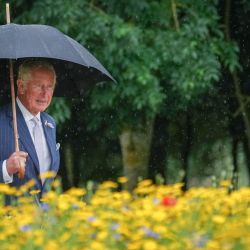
pixel 75 66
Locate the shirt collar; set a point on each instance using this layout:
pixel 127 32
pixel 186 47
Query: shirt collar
pixel 26 114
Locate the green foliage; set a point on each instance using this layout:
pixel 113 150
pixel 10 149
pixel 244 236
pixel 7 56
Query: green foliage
pixel 122 48
pixel 192 55
pixel 246 5
pixel 59 109
pixel 143 50
pixel 230 53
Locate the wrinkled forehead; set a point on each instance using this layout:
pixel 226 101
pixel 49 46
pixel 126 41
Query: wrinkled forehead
pixel 42 75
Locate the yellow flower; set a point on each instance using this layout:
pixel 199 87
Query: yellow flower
pixel 34 192
pixel 96 246
pixel 102 235
pixel 122 179
pixel 38 237
pixel 31 183
pixel 56 183
pixel 76 191
pixel 6 189
pixel 248 220
pixel 97 223
pixel 225 183
pixel 160 229
pixel 65 236
pixel 123 229
pixel 48 174
pixel 52 245
pixel 213 245
pixel 25 200
pixel 159 215
pixel 150 245
pixel 49 197
pixel 63 205
pixel 108 185
pixel 145 183
pixel 218 219
pixel 134 245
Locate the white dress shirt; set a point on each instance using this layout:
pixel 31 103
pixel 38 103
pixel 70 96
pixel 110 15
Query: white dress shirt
pixel 46 159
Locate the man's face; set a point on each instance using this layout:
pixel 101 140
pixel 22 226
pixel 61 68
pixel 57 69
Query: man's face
pixel 37 94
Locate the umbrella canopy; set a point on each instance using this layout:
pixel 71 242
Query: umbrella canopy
pixel 75 66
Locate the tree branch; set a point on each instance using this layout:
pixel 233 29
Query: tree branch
pixel 175 16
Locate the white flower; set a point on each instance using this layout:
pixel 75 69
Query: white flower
pixel 48 124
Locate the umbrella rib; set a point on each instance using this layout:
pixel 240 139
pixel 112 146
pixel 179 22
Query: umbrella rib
pixel 44 44
pixel 16 28
pixel 77 50
pixel 93 61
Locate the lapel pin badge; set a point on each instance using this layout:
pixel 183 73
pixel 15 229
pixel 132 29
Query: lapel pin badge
pixel 48 124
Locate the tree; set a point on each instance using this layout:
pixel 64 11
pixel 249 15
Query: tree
pixel 165 56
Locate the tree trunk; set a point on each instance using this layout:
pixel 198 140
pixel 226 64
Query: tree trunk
pixel 236 128
pixel 247 155
pixel 158 155
pixel 235 76
pixel 135 147
pixel 235 163
pixel 236 81
pixel 67 163
pixel 186 148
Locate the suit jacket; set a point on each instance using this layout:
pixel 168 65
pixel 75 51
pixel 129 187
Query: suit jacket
pixel 26 144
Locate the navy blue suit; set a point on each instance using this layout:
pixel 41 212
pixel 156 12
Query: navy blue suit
pixel 26 144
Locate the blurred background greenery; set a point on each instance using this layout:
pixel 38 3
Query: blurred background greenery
pixel 180 108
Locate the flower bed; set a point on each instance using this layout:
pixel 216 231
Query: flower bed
pixel 153 217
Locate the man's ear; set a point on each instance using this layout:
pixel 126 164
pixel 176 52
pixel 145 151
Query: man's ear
pixel 20 87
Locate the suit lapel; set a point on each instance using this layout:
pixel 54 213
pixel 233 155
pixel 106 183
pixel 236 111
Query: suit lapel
pixel 25 137
pixel 48 132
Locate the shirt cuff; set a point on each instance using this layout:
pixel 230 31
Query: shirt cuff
pixel 6 177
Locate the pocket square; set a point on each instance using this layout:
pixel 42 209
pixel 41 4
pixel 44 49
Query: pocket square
pixel 57 146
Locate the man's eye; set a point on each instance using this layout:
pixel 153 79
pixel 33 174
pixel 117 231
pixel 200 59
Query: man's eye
pixel 41 87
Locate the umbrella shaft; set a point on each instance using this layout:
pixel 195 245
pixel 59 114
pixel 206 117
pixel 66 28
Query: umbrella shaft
pixel 13 100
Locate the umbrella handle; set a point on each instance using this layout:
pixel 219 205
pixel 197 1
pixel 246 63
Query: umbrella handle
pixel 21 172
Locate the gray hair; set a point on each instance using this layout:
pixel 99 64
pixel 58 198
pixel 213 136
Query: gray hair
pixel 24 72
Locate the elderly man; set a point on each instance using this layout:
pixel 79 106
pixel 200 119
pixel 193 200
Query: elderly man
pixel 36 129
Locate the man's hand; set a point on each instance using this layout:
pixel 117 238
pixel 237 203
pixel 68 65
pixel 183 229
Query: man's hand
pixel 15 162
